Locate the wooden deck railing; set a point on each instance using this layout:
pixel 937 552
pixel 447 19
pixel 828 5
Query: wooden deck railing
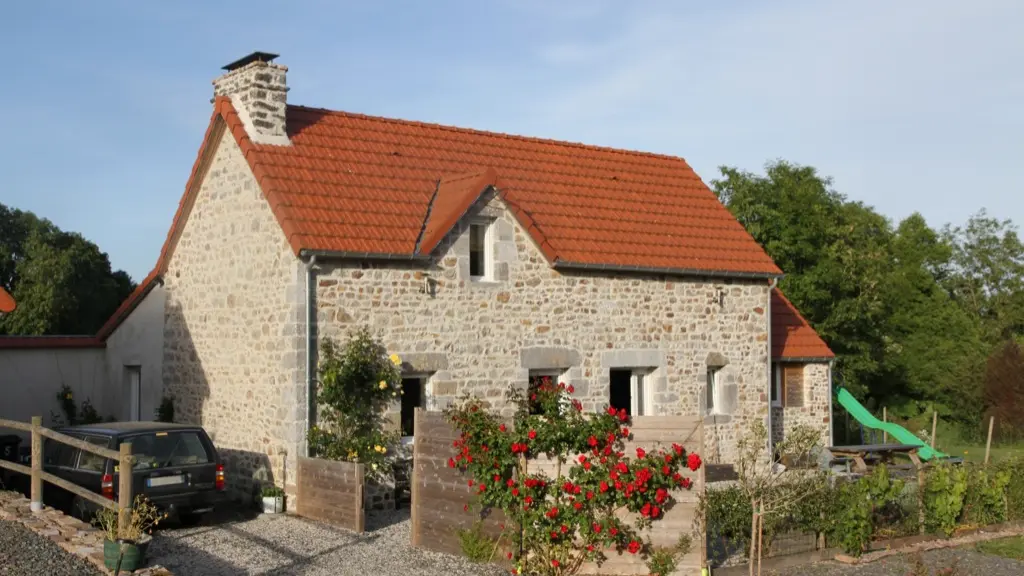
pixel 123 457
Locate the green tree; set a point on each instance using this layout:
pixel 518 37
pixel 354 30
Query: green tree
pixel 835 255
pixel 988 274
pixel 62 282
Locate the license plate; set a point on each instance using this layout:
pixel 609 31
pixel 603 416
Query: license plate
pixel 165 481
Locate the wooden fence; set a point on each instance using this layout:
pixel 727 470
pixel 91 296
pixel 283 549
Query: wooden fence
pixel 439 493
pixel 332 491
pixel 124 458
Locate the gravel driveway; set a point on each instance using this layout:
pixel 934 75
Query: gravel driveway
pixel 25 553
pixel 239 543
pixel 969 563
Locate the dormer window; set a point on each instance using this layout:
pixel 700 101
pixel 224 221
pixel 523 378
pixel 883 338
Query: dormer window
pixel 481 254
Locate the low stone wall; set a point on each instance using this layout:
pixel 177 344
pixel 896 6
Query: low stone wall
pixel 71 534
pixel 332 492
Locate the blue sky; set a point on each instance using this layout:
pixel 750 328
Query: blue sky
pixel 910 105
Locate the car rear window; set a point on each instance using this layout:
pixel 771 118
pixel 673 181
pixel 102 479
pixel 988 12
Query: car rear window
pixel 168 449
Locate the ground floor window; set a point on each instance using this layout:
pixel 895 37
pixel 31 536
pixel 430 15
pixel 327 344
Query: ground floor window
pixel 413 397
pixel 629 390
pixel 537 379
pixel 776 385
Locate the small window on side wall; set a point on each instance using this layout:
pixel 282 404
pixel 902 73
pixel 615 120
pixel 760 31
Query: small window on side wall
pixel 712 403
pixel 479 259
pixel 777 385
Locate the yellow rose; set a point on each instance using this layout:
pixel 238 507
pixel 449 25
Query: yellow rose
pixel 383 384
pixel 396 360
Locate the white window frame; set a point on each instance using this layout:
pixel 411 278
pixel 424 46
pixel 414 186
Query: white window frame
pixel 424 380
pixel 777 386
pixel 713 391
pixel 488 248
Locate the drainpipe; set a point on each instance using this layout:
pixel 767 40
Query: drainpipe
pixel 768 314
pixel 831 430
pixel 310 348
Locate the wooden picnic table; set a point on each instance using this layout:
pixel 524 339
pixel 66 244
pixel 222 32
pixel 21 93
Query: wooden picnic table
pixel 884 452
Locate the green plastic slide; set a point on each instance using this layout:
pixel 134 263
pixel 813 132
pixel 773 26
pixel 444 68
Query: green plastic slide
pixel 862 415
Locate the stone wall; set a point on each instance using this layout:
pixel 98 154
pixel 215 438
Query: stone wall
pixel 234 332
pixel 815 411
pixel 478 337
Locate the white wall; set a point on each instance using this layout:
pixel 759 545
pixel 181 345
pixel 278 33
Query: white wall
pixel 138 341
pixel 31 378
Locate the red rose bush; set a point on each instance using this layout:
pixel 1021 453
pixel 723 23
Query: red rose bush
pixel 563 479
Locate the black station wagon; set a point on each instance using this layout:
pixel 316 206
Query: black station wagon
pixel 176 467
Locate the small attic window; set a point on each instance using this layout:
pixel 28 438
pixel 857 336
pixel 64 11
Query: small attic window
pixel 480 255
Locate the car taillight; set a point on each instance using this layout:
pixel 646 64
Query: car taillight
pixel 107 486
pixel 219 480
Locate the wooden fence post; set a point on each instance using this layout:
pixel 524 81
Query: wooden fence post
pixel 935 421
pixel 988 443
pixel 124 488
pixel 37 465
pixel 885 418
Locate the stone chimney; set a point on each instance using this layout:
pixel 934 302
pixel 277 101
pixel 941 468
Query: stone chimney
pixel 259 91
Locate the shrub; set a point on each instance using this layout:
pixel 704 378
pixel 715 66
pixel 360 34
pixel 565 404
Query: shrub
pixel 576 515
pixel 859 506
pixel 944 491
pixel 356 384
pixel 985 500
pixel 476 545
pixel 272 491
pixel 165 411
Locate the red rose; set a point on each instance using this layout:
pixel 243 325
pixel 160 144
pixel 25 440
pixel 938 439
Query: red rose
pixel 646 510
pixel 678 449
pixel 510 483
pixel 613 531
pixel 509 555
pixel 603 486
pixel 597 528
pixel 469 482
pixel 611 411
pixel 515 491
pixel 665 469
pixel 496 477
pixel 554 535
pixel 502 428
pixel 564 528
pixel 693 461
pixel 528 500
pixel 655 512
pixel 623 416
pixel 571 389
pixel 451 463
pixel 586 465
pixel 582 458
pixel 634 547
pixel 592 441
pixel 625 432
pixel 554 563
pixel 465 508
pixel 640 453
pixel 687 483
pixel 660 495
pixel 532 434
pixel 552 513
pixel 577 505
pixel 590 495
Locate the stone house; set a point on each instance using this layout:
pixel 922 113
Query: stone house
pixel 482 259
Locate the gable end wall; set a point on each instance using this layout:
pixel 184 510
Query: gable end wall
pixel 234 330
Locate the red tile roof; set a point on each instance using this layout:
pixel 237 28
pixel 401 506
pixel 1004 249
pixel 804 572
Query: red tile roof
pixel 7 303
pixel 363 185
pixel 130 303
pixel 39 342
pixel 792 337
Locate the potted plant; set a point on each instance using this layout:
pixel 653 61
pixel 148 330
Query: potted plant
pixel 273 499
pixel 125 547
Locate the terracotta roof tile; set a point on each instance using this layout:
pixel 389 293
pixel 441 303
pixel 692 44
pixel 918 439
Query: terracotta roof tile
pixel 792 337
pixel 361 184
pixel 7 303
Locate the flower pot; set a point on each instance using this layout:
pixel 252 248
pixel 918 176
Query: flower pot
pixel 273 504
pixel 134 553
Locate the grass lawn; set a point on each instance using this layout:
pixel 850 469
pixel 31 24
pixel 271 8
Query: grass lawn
pixel 1006 547
pixel 976 452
